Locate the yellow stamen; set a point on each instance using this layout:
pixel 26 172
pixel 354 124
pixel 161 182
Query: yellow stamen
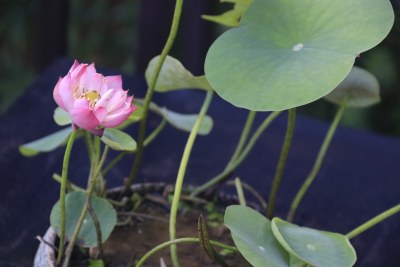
pixel 91 96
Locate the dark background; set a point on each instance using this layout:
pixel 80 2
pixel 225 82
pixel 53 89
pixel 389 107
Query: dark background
pixel 125 34
pixel 39 39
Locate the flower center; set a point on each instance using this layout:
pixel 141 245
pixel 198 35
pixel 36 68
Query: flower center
pixel 92 97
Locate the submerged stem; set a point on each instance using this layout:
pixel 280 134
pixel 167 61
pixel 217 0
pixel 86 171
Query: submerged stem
pixel 181 175
pixel 150 92
pixel 282 162
pixel 318 162
pixel 63 188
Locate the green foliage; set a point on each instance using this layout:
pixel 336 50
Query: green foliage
pixel 231 17
pixel 290 53
pixel 61 117
pixel 174 76
pixel 183 122
pixel 16 45
pixel 74 203
pixel 46 144
pixel 103 32
pixel 279 243
pixel 118 140
pixel 253 236
pixel 360 87
pixel 96 263
pixel 317 248
pixel 214 216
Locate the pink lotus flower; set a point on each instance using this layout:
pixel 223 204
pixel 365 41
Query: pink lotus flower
pixel 93 101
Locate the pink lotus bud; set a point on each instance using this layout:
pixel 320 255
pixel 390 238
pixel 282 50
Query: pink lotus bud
pixel 93 101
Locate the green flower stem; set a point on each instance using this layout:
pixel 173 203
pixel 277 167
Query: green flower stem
pixel 68 251
pixel 282 162
pixel 372 222
pixel 318 162
pixel 150 92
pixel 63 188
pixel 217 179
pixel 97 227
pixel 94 173
pixel 179 241
pixel 89 144
pixel 96 148
pixel 181 175
pixel 243 137
pixel 147 141
pixel 239 190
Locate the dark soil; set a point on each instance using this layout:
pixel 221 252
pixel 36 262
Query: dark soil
pixel 135 240
pixel 149 227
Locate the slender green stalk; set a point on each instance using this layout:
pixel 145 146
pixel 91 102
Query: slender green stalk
pixel 239 190
pixel 179 241
pixel 243 137
pixel 377 219
pixel 63 188
pixel 68 251
pixel 282 162
pixel 94 173
pixel 115 162
pixel 253 192
pixel 318 162
pixel 89 144
pixel 96 148
pixel 221 176
pixel 147 141
pixel 97 227
pixel 150 92
pixel 181 175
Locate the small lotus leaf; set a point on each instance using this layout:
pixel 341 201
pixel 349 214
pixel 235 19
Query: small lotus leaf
pixel 288 53
pixel 185 122
pixel 61 117
pixel 253 236
pixel 360 87
pixel 317 248
pixel 118 140
pixel 231 17
pixel 174 76
pixel 46 144
pixel 74 203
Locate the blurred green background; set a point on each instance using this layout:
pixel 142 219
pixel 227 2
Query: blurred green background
pixel 95 30
pixel 106 32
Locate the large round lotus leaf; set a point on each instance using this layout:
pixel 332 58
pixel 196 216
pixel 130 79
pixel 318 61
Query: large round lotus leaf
pixel 317 248
pixel 360 87
pixel 287 53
